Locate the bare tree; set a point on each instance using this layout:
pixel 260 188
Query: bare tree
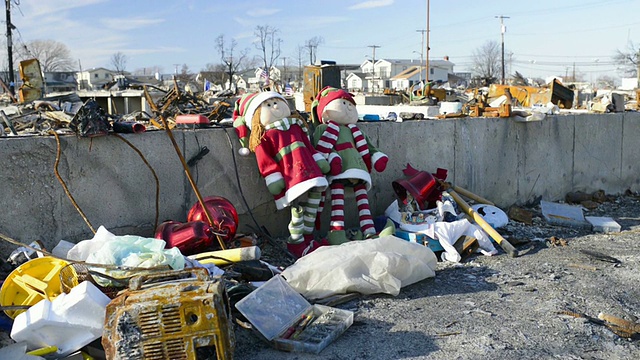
pixel 606 82
pixel 486 62
pixel 312 47
pixel 627 61
pixel 232 62
pixel 215 73
pixel 185 74
pixel 119 62
pixel 52 55
pixel 268 44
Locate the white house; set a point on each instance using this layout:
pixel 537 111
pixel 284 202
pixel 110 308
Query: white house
pixel 355 82
pixel 384 72
pixel 93 79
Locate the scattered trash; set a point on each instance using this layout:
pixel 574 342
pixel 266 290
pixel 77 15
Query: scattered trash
pixel 68 322
pixel 288 321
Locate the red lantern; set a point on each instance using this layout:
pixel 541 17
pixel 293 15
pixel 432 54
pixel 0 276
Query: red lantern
pixel 223 215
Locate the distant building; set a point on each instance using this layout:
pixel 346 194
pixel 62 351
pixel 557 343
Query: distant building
pixel 60 81
pixel 94 79
pixel 400 74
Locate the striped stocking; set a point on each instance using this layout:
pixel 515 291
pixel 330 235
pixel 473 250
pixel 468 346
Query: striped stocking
pixel 296 226
pixel 364 213
pixel 311 211
pixel 337 207
pixel 323 196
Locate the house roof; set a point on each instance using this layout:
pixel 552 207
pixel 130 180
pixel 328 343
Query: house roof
pixel 359 74
pixel 410 72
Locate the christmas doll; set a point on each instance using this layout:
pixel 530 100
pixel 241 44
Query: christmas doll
pixel 293 170
pixel 351 157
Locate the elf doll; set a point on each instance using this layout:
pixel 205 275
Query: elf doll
pixel 293 170
pixel 351 157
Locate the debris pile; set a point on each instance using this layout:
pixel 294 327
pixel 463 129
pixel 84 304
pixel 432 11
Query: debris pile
pixel 185 293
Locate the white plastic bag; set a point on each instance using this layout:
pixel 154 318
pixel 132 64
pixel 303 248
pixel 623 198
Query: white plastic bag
pixel 381 265
pixel 128 250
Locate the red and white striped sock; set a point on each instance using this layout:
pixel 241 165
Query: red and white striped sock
pixel 364 213
pixel 323 196
pixel 337 207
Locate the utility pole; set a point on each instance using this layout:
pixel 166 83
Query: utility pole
pixel 638 70
pixel 427 62
pixel 503 29
pixel 9 45
pixel 373 77
pixel 421 51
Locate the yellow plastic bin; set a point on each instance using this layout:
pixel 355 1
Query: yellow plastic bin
pixel 31 282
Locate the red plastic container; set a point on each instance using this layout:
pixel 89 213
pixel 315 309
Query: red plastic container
pixel 192 119
pixel 191 238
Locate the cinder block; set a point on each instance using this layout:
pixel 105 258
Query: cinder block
pixel 603 224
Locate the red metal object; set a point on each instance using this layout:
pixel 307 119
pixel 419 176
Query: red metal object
pixel 223 214
pixel 192 119
pixel 420 186
pixel 191 238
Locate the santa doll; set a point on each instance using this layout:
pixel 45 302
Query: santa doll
pixel 292 168
pixel 351 156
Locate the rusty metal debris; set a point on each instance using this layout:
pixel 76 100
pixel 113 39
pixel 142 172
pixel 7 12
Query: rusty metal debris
pixel 171 315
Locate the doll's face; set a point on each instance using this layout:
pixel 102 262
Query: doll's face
pixel 272 110
pixel 342 111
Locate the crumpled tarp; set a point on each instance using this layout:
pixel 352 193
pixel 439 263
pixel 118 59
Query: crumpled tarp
pixel 382 265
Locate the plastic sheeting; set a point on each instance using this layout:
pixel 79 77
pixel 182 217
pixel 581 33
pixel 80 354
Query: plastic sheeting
pixel 382 265
pixel 128 250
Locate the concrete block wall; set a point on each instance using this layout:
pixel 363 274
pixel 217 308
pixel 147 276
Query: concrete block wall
pixel 502 160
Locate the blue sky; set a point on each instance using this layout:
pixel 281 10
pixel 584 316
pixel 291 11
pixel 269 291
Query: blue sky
pixel 543 37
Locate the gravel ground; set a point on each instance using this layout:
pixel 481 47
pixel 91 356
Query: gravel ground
pixel 501 307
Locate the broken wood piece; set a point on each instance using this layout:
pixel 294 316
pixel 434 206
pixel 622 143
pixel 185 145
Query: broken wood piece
pixel 466 246
pixel 626 325
pixel 520 214
pixel 582 266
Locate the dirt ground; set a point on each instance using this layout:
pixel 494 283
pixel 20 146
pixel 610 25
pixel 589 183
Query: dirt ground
pixel 501 307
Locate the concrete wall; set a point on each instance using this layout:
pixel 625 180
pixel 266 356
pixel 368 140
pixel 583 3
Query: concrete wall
pixel 505 161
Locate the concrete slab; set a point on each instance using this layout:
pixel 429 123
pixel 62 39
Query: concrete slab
pixel 603 224
pixel 563 214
